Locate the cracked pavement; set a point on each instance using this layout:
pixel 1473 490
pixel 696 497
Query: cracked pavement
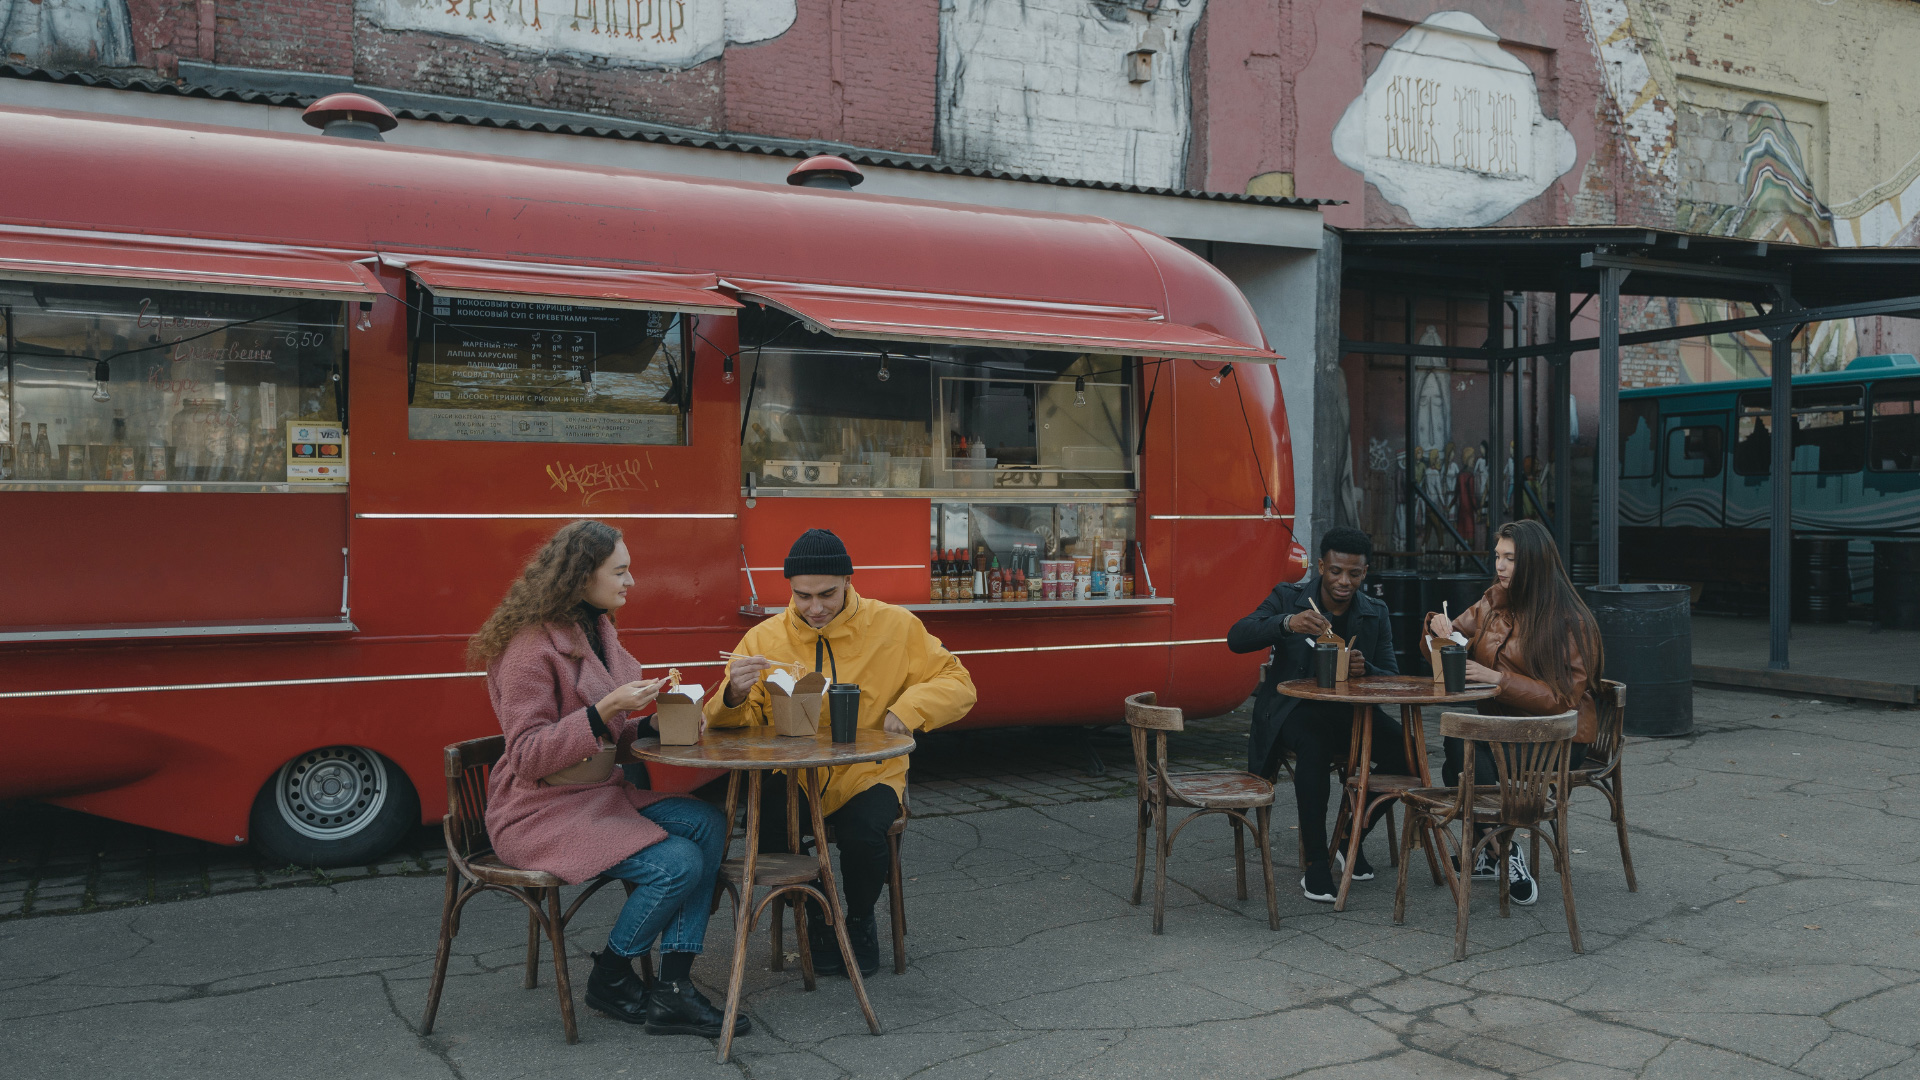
pixel 1776 933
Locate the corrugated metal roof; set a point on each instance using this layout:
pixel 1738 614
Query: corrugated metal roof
pixel 586 126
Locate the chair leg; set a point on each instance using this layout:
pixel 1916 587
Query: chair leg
pixel 1239 859
pixel 1503 841
pixel 533 953
pixel 1462 884
pixel 1160 869
pixel 1619 800
pixel 1400 878
pixel 897 901
pixel 1393 845
pixel 1142 818
pixel 447 930
pixel 1263 819
pixel 1564 854
pixel 1432 841
pixel 556 934
pixel 776 934
pixel 805 941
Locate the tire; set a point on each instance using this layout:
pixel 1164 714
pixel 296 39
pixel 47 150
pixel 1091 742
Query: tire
pixel 336 806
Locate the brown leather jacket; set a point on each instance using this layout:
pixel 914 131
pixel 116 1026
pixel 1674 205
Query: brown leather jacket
pixel 1488 628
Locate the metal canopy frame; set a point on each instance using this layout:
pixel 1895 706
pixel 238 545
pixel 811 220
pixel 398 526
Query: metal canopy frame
pixel 1789 286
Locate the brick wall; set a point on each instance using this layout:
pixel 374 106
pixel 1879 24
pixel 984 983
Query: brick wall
pixel 861 72
pixel 286 35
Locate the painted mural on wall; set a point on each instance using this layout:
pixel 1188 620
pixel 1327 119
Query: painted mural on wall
pixel 666 33
pixel 1049 87
pixel 1449 127
pixel 66 34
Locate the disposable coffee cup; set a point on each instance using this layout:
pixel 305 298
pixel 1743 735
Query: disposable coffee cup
pixel 1453 666
pixel 1326 664
pixel 843 705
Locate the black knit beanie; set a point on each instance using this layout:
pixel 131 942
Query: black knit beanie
pixel 819 552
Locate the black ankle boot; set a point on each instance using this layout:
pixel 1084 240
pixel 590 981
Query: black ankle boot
pixel 864 935
pixel 823 945
pixel 615 989
pixel 679 1008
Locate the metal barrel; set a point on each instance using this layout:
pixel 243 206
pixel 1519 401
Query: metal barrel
pixel 1400 591
pixel 1458 591
pixel 1822 586
pixel 1583 564
pixel 1648 634
pixel 1896 584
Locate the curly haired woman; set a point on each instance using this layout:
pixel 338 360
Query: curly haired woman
pixel 565 692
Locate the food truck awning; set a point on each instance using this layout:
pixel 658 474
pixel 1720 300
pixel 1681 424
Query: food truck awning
pixel 540 283
pixel 992 321
pixel 145 261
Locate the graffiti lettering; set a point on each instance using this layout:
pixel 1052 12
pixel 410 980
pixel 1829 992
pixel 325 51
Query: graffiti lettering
pixel 595 479
pixel 677 33
pixel 1410 103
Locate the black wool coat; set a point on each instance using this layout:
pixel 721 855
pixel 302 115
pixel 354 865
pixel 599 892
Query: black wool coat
pixel 1293 658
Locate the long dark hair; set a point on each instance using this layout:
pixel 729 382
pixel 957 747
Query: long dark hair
pixel 549 589
pixel 1547 610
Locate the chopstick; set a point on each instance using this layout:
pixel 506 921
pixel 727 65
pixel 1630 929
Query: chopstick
pixel 793 664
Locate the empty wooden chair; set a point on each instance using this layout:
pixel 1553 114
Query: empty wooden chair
pixel 473 868
pixel 1601 769
pixel 1230 794
pixel 1530 755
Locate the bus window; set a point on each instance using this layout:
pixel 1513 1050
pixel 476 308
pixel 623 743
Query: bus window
pixel 1829 429
pixel 1695 452
pixel 1895 434
pixel 1753 446
pixel 1637 419
pixel 124 389
pixel 508 371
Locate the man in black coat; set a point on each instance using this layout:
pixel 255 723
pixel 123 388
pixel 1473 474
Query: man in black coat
pixel 1317 733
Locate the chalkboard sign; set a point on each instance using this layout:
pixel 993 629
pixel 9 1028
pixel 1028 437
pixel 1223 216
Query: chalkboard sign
pixel 503 371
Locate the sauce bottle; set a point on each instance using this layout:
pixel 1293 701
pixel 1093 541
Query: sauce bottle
pixel 996 588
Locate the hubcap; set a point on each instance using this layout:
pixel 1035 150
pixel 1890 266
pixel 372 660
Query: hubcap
pixel 333 793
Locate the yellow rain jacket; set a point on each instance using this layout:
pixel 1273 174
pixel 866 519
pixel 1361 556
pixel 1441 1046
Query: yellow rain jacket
pixel 900 667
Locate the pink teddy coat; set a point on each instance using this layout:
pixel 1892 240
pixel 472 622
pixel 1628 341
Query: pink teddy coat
pixel 541 687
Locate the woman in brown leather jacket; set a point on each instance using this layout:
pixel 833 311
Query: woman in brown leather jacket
pixel 1533 637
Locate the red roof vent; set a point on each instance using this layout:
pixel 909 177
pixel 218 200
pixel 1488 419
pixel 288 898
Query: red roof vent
pixel 826 171
pixel 350 116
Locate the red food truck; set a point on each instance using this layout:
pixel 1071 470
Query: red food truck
pixel 284 414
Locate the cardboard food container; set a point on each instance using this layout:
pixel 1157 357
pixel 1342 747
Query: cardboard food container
pixel 1346 651
pixel 589 770
pixel 795 704
pixel 678 716
pixel 1434 645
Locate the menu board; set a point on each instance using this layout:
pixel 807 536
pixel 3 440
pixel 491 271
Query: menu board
pixel 504 371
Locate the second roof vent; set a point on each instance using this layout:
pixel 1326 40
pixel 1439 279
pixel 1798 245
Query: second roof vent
pixel 826 171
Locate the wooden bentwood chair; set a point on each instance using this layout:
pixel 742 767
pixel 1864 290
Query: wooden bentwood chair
pixel 1229 793
pixel 896 898
pixel 473 868
pixel 1601 769
pixel 1530 755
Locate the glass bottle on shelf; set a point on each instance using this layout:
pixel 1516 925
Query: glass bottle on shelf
pixel 963 579
pixel 42 456
pixel 1035 580
pixel 996 588
pixel 936 581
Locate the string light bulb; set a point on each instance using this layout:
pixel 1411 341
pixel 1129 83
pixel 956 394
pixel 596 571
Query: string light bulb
pixel 1079 389
pixel 884 374
pixel 1266 507
pixel 100 374
pixel 726 370
pixel 1221 375
pixel 366 316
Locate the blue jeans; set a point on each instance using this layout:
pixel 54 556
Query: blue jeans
pixel 673 880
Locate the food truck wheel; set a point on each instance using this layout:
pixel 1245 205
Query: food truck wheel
pixel 337 806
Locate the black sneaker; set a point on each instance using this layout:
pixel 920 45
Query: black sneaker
pixel 616 990
pixel 1317 885
pixel 1362 870
pixel 1484 866
pixel 864 935
pixel 823 946
pixel 1521 888
pixel 679 1008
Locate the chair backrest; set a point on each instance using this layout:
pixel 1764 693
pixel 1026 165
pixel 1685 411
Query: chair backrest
pixel 469 765
pixel 1610 698
pixel 1150 768
pixel 1530 755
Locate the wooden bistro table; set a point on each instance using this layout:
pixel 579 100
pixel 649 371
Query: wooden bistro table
pixel 752 751
pixel 1365 789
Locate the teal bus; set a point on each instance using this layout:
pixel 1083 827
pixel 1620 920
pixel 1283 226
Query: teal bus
pixel 1695 461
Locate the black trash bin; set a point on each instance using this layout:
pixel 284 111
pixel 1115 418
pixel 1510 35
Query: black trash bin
pixel 1400 591
pixel 1896 584
pixel 1648 634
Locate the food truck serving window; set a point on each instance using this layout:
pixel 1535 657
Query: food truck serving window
pixel 825 412
pixel 505 370
pixel 110 388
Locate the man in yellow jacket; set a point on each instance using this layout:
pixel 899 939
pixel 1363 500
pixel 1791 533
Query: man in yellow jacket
pixel 908 683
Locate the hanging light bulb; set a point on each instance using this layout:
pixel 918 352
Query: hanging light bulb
pixel 366 316
pixel 884 373
pixel 1220 376
pixel 100 375
pixel 1266 508
pixel 726 370
pixel 1080 390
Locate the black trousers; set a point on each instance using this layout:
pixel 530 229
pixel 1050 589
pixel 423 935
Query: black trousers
pixel 859 831
pixel 1319 734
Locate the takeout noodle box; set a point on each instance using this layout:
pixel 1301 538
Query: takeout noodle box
pixel 679 715
pixel 794 704
pixel 589 770
pixel 1434 645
